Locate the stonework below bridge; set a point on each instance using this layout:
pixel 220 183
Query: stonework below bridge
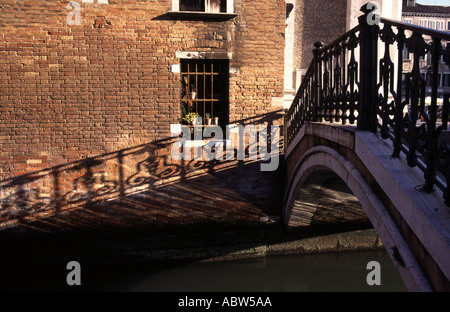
pixel 324 198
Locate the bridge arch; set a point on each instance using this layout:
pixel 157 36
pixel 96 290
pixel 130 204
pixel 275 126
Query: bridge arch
pixel 356 157
pixel 321 197
pixel 321 159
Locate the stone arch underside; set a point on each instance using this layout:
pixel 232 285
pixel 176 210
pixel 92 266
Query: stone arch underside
pixel 322 197
pixel 326 158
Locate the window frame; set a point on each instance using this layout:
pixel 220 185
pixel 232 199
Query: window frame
pixel 446 80
pixel 211 87
pixel 406 54
pixel 229 14
pixel 408 20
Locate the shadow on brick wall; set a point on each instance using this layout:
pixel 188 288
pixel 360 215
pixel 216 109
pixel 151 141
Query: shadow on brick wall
pixel 137 205
pixel 143 185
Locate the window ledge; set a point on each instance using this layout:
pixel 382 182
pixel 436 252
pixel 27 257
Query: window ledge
pixel 195 15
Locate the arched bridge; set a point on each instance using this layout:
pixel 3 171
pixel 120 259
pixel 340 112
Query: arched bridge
pixel 383 131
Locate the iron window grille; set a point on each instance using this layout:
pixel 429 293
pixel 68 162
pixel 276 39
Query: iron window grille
pixel 204 86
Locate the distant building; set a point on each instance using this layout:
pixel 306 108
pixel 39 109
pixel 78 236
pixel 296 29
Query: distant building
pixel 434 17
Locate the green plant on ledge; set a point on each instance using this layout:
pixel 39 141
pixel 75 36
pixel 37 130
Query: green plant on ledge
pixel 208 119
pixel 190 117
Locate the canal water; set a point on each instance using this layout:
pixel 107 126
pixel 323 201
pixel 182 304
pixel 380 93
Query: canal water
pixel 324 272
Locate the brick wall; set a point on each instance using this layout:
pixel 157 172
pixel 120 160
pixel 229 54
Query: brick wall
pixel 318 20
pixel 75 98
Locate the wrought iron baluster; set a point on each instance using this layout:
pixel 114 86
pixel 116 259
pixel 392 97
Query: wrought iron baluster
pixel 418 47
pixel 343 87
pixel 309 99
pixel 431 146
pixel 442 157
pixel 325 86
pixel 399 103
pixel 386 82
pixel 336 98
pixel 331 91
pixel 352 79
pixel 317 79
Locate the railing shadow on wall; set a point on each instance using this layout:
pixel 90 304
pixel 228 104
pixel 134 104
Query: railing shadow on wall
pixel 109 177
pixel 359 78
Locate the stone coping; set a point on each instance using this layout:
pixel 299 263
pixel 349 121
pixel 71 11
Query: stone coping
pixel 347 241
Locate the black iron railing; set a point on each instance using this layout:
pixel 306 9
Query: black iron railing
pixel 360 77
pixel 330 88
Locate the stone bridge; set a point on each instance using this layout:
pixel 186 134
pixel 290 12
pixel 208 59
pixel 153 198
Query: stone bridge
pixel 413 225
pixel 358 117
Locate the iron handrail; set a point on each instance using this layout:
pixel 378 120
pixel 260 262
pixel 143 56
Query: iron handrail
pixel 379 95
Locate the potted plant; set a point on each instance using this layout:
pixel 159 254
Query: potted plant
pixel 190 118
pixel 192 93
pixel 208 119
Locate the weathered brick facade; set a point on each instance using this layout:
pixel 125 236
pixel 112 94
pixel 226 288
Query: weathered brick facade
pixel 86 109
pixel 322 20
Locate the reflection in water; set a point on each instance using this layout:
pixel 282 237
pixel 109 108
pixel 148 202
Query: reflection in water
pixel 343 271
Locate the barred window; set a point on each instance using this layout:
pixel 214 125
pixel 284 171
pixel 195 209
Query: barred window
pixel 204 89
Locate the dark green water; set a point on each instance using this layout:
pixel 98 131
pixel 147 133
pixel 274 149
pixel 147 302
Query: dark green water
pixel 323 272
pixel 327 272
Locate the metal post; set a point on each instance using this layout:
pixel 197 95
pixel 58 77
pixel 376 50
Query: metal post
pixel 317 79
pixel 367 117
pixel 399 105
